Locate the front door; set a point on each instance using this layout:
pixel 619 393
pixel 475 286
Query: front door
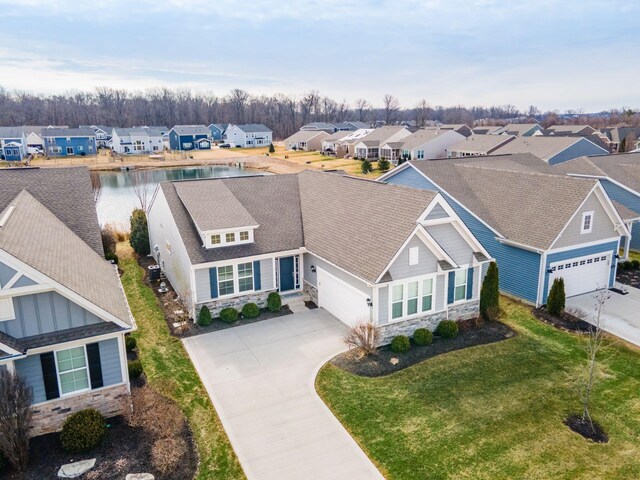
pixel 287 274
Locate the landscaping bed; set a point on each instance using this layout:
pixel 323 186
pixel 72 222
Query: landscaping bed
pixel 564 321
pixel 628 275
pixel 126 449
pixel 193 328
pixel 386 362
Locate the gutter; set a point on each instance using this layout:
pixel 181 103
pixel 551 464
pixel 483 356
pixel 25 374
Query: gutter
pixel 520 245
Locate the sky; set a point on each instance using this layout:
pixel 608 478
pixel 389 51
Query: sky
pixel 556 55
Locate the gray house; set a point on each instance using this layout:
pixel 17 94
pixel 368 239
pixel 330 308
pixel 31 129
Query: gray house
pixel 63 312
pixel 227 242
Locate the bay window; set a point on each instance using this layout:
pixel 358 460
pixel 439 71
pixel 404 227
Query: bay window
pixel 73 371
pixel 411 298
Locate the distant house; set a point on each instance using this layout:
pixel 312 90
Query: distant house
pixel 13 144
pixel 63 312
pixel 35 138
pixel 308 140
pixel 424 143
pixel 350 126
pixel 478 145
pixel 552 149
pixel 189 137
pixel 344 144
pixel 520 130
pixel 62 142
pixel 103 134
pixel 318 126
pixel 460 128
pixel 584 130
pixel 619 137
pixel 369 146
pixel 330 144
pixel 139 140
pixel 249 136
pixel 217 131
pixel 486 129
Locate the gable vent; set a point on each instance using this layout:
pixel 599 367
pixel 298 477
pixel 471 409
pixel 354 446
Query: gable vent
pixel 6 215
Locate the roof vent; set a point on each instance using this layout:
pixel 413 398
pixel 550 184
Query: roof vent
pixel 6 215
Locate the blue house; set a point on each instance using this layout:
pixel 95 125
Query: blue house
pixel 13 144
pixel 190 137
pixel 537 226
pixel 217 131
pixel 552 149
pixel 64 142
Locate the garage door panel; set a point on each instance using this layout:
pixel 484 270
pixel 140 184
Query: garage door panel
pixel 582 274
pixel 343 301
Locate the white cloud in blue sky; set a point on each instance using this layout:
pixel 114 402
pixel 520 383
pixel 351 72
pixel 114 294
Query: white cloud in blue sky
pixel 553 54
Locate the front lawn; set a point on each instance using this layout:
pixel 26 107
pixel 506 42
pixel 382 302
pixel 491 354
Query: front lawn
pixel 170 371
pixel 495 411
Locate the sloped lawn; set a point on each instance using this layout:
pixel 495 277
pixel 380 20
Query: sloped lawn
pixel 169 370
pixel 495 411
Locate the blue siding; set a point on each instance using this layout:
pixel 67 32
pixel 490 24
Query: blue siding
pixel 30 369
pixel 578 149
pixel 110 362
pixel 180 142
pixel 11 153
pixel 216 133
pixel 6 274
pixel 608 247
pixel 533 130
pixel 629 200
pixel 70 146
pixel 519 268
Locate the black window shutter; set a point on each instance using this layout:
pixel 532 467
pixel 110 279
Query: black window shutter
pixel 95 368
pixel 49 375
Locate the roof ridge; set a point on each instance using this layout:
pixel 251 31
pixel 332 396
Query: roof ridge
pixel 520 172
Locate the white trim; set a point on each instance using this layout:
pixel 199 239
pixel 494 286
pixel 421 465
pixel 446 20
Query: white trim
pixel 405 283
pixel 86 367
pixel 583 245
pixel 586 215
pixel 11 314
pixel 12 281
pixel 286 253
pixel 6 215
pixel 75 394
pixel 542 270
pixel 28 290
pixel 75 343
pixel 606 177
pixel 519 245
pixel 10 350
pixel 466 285
pixel 124 369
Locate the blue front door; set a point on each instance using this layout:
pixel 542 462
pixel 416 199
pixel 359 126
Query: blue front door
pixel 287 274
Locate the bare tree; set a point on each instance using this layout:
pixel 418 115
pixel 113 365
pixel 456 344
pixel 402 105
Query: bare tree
pixel 422 113
pixel 15 418
pixel 391 108
pixel 96 185
pixel 142 182
pixel 364 336
pixel 362 109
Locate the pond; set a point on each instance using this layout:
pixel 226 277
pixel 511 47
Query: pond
pixel 118 197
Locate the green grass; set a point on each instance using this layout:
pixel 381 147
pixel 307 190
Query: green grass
pixel 170 371
pixel 495 411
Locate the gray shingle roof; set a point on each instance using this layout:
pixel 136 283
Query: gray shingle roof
pixel 35 236
pixel 623 168
pixel 380 135
pixel 306 135
pixel 525 206
pixel 66 192
pixel 191 130
pixel 68 132
pixel 542 147
pixel 481 143
pixel 254 128
pixel 10 132
pixel 313 209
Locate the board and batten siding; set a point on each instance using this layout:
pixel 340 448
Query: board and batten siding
pixel 46 312
pixel 203 279
pixel 602 226
pixel 163 232
pixel 452 242
pixel 30 369
pixel 310 259
pixel 609 248
pixel 519 269
pixel 629 200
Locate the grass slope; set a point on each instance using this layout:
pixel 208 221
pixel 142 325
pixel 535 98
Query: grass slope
pixel 495 411
pixel 170 371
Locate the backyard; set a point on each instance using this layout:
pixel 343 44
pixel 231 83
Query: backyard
pixel 169 370
pixel 495 411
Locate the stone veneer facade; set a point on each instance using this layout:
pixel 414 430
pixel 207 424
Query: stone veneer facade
pixel 259 298
pixel 310 290
pixel 48 417
pixel 462 311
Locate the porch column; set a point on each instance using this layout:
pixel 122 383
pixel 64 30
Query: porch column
pixel 627 243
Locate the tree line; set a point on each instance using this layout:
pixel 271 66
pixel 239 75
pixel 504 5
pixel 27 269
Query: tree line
pixel 284 114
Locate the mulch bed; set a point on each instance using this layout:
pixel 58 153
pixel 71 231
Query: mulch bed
pixel 471 334
pixel 125 450
pixel 310 305
pixel 585 428
pixel 193 328
pixel 629 277
pixel 565 321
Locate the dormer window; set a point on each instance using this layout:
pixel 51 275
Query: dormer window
pixel 215 239
pixel 226 239
pixel 230 237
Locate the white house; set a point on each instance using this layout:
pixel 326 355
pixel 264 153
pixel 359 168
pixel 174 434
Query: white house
pixel 369 145
pixel 425 143
pixel 140 140
pixel 248 136
pixel 306 140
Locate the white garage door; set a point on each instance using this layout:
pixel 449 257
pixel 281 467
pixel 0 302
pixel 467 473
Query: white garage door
pixel 583 274
pixel 343 301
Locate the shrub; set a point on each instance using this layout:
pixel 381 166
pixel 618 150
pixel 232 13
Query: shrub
pixel 272 149
pixel 364 336
pixel 112 257
pixel 139 237
pixel 384 165
pixel 82 154
pixel 109 240
pixel 130 343
pixel 490 293
pixel 83 431
pixel 627 265
pixel 274 302
pixel 557 298
pixel 250 310
pixel 204 317
pixel 135 369
pixel 635 264
pixel 400 344
pixel 447 329
pixel 15 418
pixel 422 336
pixel 228 315
pixel 366 166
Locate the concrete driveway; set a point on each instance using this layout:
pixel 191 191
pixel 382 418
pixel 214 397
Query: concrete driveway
pixel 260 378
pixel 621 313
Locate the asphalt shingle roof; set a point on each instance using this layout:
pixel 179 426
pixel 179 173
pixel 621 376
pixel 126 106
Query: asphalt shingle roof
pixel 191 130
pixel 254 128
pixel 481 143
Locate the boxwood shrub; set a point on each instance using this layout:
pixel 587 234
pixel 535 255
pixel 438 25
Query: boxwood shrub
pixel 422 337
pixel 83 431
pixel 204 317
pixel 130 343
pixel 400 344
pixel 274 302
pixel 250 310
pixel 447 329
pixel 228 315
pixel 135 369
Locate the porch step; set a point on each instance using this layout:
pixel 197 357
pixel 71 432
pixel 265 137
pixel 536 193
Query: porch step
pixel 296 303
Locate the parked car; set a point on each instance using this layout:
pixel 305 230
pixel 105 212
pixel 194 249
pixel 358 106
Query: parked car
pixel 35 151
pixel 225 145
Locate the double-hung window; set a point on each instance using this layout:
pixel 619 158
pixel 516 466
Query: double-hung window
pixel 397 301
pixel 245 277
pixel 73 371
pixel 230 237
pixel 411 298
pixel 244 236
pixel 427 295
pixel 460 285
pixel 225 280
pixel 215 239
